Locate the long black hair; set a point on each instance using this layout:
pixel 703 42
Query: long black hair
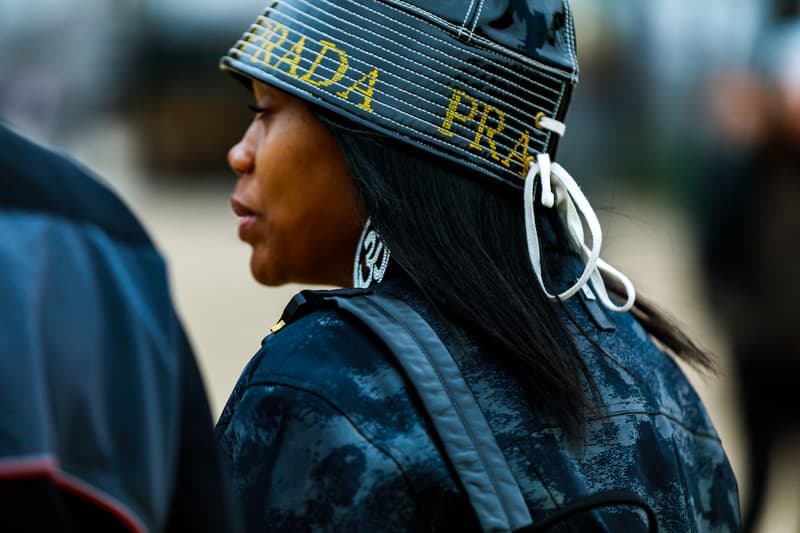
pixel 461 239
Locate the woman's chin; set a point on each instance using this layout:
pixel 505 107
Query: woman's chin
pixel 264 271
pixel 268 271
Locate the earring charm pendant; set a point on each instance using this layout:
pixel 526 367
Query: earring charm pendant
pixel 372 258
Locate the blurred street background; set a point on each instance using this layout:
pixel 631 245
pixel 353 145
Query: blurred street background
pixel 684 132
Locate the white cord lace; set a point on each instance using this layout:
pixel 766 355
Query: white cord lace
pixel 560 190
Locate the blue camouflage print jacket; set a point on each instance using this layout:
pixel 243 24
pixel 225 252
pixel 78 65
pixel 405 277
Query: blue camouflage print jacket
pixel 324 433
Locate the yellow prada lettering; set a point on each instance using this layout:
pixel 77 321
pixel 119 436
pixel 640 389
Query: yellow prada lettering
pixel 464 108
pixel 270 38
pixel 453 114
pixel 490 132
pixel 519 155
pixel 292 57
pixel 274 35
pixel 369 79
pixel 338 75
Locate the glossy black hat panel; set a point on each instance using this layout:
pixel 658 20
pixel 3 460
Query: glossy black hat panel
pixel 461 79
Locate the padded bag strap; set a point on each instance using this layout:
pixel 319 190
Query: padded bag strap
pixel 469 442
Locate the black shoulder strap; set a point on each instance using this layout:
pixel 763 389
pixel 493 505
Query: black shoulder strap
pixel 461 426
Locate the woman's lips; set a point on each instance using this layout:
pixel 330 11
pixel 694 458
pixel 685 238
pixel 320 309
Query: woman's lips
pixel 245 224
pixel 247 216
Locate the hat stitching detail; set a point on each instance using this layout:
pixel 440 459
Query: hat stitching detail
pixel 426 35
pixel 399 67
pixel 488 46
pixel 435 124
pixel 479 42
pixel 543 139
pixel 484 164
pixel 479 133
pixel 558 104
pixel 475 21
pixel 466 17
pixel 437 146
pixel 490 135
pixel 357 71
pixel 572 47
pixel 419 74
pixel 432 58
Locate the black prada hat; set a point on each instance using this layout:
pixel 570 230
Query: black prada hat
pixel 485 83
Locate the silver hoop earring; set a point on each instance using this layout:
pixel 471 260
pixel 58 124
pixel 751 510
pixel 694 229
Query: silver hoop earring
pixel 372 258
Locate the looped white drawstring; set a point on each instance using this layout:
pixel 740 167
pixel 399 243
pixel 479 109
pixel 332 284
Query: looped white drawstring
pixel 560 190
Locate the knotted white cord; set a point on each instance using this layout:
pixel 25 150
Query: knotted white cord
pixel 560 190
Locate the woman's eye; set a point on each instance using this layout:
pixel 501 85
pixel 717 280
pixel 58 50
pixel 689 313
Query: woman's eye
pixel 257 110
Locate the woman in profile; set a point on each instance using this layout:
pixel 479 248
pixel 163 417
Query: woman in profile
pixel 407 150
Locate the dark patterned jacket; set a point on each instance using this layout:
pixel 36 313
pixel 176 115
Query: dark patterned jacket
pixel 324 433
pixel 104 421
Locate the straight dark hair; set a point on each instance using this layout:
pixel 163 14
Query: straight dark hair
pixel 461 239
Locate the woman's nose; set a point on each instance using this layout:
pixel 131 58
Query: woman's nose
pixel 241 157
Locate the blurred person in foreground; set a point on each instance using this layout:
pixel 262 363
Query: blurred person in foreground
pixel 104 422
pixel 751 243
pixel 405 151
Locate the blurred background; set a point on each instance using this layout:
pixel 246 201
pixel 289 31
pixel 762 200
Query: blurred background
pixel 684 131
